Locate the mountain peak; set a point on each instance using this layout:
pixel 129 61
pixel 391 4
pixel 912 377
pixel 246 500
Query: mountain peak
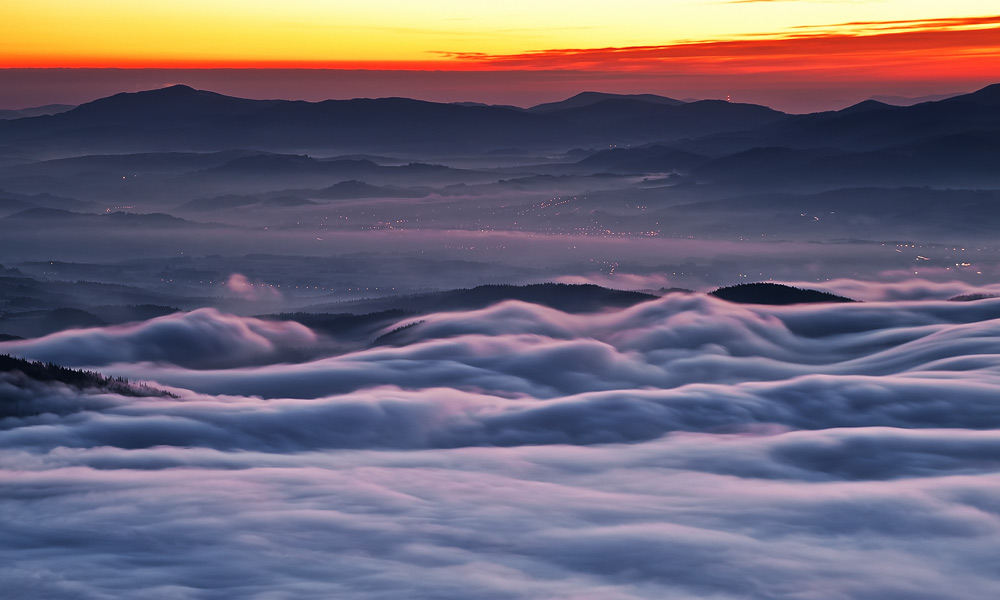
pixel 175 89
pixel 864 105
pixel 172 102
pixel 171 92
pixel 589 98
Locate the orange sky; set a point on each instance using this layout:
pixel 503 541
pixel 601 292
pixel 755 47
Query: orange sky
pixel 940 49
pixel 706 45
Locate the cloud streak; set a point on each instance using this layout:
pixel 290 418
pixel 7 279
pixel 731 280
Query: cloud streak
pixel 884 49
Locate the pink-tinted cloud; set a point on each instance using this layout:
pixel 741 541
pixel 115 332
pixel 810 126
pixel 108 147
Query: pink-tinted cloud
pixel 720 450
pixel 937 48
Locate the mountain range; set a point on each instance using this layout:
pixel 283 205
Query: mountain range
pixel 182 118
pixel 959 129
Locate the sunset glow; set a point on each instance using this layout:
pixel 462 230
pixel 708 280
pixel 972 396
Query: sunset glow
pixel 923 47
pixel 450 34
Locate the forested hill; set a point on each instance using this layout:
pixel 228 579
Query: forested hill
pixel 20 373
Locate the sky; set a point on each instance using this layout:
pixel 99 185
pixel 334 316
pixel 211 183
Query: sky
pixel 791 54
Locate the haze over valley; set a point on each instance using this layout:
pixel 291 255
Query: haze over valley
pixel 312 203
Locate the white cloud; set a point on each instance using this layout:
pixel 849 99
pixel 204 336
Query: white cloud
pixel 682 448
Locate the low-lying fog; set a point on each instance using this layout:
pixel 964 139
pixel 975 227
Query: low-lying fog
pixel 684 447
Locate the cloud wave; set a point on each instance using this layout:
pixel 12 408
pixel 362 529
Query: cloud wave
pixel 683 448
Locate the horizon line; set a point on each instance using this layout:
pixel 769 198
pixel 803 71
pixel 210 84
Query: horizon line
pixel 31 87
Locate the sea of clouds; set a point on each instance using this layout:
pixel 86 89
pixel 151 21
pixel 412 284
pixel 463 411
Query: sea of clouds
pixel 681 448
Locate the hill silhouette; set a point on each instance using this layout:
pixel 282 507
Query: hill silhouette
pixel 872 126
pixel 655 158
pixel 180 118
pixel 576 298
pixel 589 98
pixel 631 119
pixel 775 294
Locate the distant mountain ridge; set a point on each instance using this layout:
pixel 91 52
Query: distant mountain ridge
pixel 954 141
pixel 577 298
pixel 35 111
pixel 872 125
pixel 180 118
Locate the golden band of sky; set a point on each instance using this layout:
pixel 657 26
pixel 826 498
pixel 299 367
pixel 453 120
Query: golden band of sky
pixel 706 47
pixel 457 34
